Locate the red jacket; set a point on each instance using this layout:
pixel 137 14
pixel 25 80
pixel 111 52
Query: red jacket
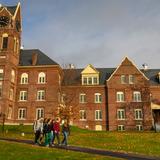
pixel 56 127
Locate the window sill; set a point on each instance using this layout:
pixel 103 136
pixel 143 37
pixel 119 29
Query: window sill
pixel 40 100
pixel 22 101
pixel 83 120
pixel 121 119
pixel 138 119
pixel 98 119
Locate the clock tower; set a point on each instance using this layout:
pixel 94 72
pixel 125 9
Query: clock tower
pixel 10 41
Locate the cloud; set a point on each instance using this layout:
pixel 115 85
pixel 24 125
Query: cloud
pixel 100 32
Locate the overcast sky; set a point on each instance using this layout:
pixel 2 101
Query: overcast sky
pixel 98 32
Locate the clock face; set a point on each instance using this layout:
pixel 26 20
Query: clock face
pixel 4 21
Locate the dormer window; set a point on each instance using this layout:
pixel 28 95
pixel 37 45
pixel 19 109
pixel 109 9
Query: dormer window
pixel 89 80
pixel 90 76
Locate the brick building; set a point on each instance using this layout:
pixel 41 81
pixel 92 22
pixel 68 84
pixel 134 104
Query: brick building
pixel 32 84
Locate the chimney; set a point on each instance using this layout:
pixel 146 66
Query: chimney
pixel 34 59
pixel 145 66
pixel 71 66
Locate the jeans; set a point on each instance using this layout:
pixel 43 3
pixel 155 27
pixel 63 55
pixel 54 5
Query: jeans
pixel 65 138
pixel 47 138
pixel 37 136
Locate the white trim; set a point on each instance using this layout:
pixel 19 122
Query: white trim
pixel 121 64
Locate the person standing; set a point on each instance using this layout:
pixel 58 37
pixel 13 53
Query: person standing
pixel 56 129
pixel 66 132
pixel 38 129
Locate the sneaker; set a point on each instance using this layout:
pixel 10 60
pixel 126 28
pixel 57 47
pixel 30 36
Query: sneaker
pixel 47 145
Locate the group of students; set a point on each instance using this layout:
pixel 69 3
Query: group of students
pixel 49 129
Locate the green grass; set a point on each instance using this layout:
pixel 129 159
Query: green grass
pixel 10 151
pixel 147 143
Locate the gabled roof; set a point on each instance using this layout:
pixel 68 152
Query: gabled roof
pixel 127 61
pixel 42 58
pixel 89 70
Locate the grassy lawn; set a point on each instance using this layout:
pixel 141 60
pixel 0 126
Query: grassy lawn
pixel 10 151
pixel 147 143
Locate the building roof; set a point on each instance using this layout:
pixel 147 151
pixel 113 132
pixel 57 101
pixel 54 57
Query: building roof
pixel 152 75
pixel 11 9
pixel 42 58
pixel 73 76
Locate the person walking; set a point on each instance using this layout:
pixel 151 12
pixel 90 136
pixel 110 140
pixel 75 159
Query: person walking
pixel 56 129
pixel 47 132
pixel 38 130
pixel 65 132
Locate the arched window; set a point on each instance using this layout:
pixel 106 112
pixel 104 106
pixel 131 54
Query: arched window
pixel 24 78
pixel 13 75
pixel 41 77
pixel 4 44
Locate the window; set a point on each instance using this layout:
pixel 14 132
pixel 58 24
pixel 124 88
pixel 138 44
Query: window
pixel 23 96
pixel 138 114
pixel 11 94
pixel 121 128
pixel 39 113
pixel 9 115
pixel 90 80
pixel 139 127
pixel 13 75
pixel 120 97
pixel 82 98
pixel 121 114
pixel 24 78
pixel 42 77
pixel 82 114
pixel 41 95
pixel 84 81
pixel 22 113
pixel 15 45
pixel 98 98
pixel 1 74
pixel 123 79
pixel 0 89
pixel 131 79
pixel 4 41
pixel 136 96
pixel 98 115
pixel 95 80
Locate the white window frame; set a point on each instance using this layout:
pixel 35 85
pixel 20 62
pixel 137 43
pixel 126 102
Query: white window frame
pixel 131 79
pixel 40 95
pixel 24 78
pixel 90 80
pixel 83 115
pixel 2 74
pixel 97 98
pixel 121 114
pixel 98 115
pixel 139 127
pixel 22 113
pixel 11 94
pixel 13 76
pixel 121 128
pixel 39 113
pixel 137 96
pixel 22 96
pixel 138 114
pixel 120 96
pixel 9 115
pixel 82 98
pixel 42 78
